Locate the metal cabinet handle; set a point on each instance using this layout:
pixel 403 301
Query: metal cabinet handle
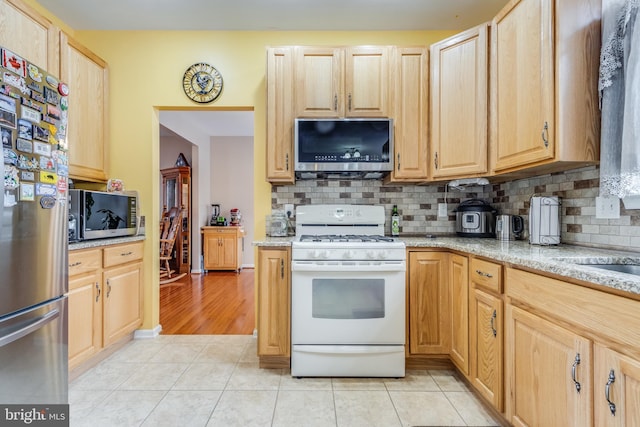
pixel 335 102
pixel 108 289
pixel 398 161
pixel 545 134
pixel 349 102
pixel 576 362
pixel 435 160
pixel 99 291
pixel 282 269
pixel 611 380
pixel 75 264
pixel 287 161
pixel 126 253
pixel 482 273
pixel 493 319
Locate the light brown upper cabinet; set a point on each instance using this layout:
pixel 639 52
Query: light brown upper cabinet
pixel 30 35
pixel 88 78
pixel 544 74
pixel 459 110
pixel 410 117
pixel 280 115
pixel 342 82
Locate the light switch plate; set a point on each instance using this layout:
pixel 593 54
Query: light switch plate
pixel 607 207
pixel 442 210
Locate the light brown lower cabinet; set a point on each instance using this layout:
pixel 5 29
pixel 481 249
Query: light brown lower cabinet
pixel 459 276
pixel 571 353
pixel 274 307
pixel 222 248
pixel 105 298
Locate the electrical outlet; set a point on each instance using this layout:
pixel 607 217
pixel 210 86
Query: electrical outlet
pixel 607 207
pixel 442 210
pixel 288 210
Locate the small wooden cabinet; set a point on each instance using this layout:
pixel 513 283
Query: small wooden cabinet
pixel 429 329
pixel 459 108
pixel 176 192
pixel 544 73
pixel 486 330
pixel 105 298
pixel 616 389
pixel 222 248
pixel 411 104
pixel 274 306
pixel 87 76
pixel 30 35
pixel 342 82
pixel 280 116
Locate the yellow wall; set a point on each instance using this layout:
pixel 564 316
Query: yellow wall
pixel 146 69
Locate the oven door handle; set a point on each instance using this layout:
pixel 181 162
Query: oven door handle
pixel 348 266
pixel 347 349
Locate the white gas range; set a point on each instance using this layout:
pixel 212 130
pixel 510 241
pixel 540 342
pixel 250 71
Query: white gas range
pixel 347 294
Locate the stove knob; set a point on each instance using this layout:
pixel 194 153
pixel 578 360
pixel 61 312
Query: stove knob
pixel 314 254
pixel 382 254
pixel 349 254
pixel 371 254
pixel 326 254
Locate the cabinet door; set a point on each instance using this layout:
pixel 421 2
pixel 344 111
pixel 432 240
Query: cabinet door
pixel 229 245
pixel 367 81
pixel 211 249
pixel 459 277
pixel 122 301
pixel 459 93
pixel 429 316
pixel 280 115
pixel 549 370
pixel 85 317
pixel 30 35
pixel 411 98
pixel 319 83
pixel 274 302
pixel 485 341
pixel 616 389
pixel 522 73
pixel 87 134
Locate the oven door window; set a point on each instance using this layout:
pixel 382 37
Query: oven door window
pixel 348 299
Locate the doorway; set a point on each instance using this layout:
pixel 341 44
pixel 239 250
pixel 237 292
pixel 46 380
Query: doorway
pixel 218 145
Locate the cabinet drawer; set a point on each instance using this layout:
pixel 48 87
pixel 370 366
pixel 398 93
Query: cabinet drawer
pixel 485 274
pixel 218 231
pixel 122 254
pixel 84 261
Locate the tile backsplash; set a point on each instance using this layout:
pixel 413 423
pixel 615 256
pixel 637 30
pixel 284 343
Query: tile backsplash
pixel 418 204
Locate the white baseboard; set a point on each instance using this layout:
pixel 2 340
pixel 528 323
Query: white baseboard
pixel 198 271
pixel 248 266
pixel 143 334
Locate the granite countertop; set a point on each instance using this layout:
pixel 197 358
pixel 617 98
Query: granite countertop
pixel 561 260
pixel 86 244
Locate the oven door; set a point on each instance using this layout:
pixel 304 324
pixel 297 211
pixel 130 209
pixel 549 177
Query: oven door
pixel 348 302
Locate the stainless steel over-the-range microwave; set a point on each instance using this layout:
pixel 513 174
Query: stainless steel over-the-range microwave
pixel 99 215
pixel 343 145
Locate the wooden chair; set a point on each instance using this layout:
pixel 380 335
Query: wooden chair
pixel 169 226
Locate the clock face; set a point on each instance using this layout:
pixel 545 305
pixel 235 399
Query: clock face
pixel 202 83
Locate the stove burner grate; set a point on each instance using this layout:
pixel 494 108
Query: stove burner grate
pixel 345 238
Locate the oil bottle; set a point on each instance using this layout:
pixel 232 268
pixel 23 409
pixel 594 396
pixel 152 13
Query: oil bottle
pixel 395 221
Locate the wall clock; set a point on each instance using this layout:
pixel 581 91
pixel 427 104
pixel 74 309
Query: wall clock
pixel 202 83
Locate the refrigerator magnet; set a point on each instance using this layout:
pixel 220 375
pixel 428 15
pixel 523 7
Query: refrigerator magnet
pixel 63 89
pixel 30 114
pixel 24 145
pixel 15 81
pixel 51 96
pixel 47 202
pixel 13 62
pixel 27 163
pixel 10 156
pixel 35 88
pixel 53 112
pixel 7 137
pixel 47 177
pixel 25 129
pixel 45 189
pixel 27 176
pixel 42 148
pixel 46 163
pixel 63 170
pixel 34 73
pixel 27 192
pixel 29 103
pixel 11 180
pixel 40 133
pixel 51 81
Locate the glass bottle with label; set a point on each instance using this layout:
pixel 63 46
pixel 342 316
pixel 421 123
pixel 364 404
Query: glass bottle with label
pixel 395 221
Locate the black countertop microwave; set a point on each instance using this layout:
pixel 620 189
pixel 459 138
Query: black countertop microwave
pixel 343 146
pixel 99 215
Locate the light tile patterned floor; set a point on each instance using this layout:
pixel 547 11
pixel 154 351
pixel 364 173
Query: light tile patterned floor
pixel 214 380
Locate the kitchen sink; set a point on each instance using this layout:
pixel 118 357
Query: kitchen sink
pixel 620 268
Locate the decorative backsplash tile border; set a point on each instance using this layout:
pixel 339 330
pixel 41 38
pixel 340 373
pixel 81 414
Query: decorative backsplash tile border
pixel 418 204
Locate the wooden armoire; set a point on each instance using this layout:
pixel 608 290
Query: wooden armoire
pixel 176 192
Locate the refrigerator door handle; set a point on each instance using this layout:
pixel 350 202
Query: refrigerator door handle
pixel 34 325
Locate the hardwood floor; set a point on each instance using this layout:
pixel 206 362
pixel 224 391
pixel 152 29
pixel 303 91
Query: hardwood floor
pixel 219 303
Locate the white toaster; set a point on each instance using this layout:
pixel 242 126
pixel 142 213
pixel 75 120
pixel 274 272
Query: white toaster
pixel 544 220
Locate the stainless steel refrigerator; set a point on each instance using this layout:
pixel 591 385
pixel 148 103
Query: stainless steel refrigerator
pixel 33 234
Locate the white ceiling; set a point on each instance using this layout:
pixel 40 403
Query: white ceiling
pixel 266 15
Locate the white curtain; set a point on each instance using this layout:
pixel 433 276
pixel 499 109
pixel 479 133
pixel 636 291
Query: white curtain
pixel 619 86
